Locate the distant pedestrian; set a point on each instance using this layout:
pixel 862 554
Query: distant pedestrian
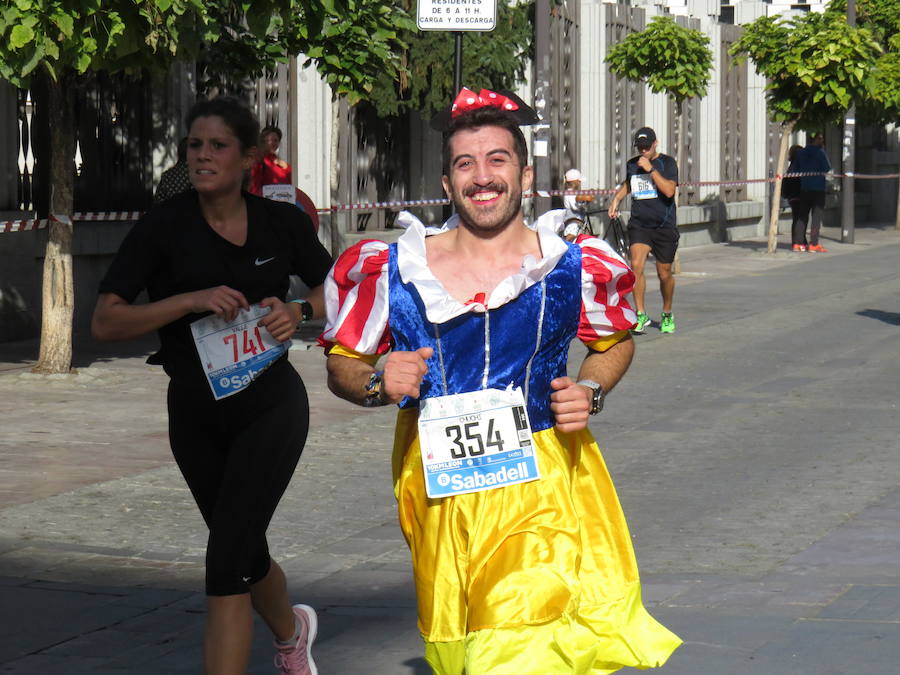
pixel 270 169
pixel 576 206
pixel 652 179
pixel 176 179
pixel 215 263
pixel 790 190
pixel 812 159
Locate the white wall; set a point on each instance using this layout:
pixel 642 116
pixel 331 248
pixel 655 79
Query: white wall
pixel 311 136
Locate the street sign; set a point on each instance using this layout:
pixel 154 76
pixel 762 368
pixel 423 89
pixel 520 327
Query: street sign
pixel 455 15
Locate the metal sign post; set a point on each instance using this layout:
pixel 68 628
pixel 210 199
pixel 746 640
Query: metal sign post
pixel 457 16
pixel 848 203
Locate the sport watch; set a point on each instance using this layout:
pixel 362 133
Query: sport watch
pixel 597 395
pixel 306 310
pixel 373 390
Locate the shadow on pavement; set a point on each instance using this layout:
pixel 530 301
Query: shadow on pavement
pixel 892 318
pixel 85 351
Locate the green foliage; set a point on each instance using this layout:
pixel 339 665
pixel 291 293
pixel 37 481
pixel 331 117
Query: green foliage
pixel 72 35
pixel 882 17
pixel 668 57
pixel 493 60
pixel 351 41
pixel 884 104
pixel 816 65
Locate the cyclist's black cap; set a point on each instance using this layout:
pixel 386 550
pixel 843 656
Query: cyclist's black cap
pixel 644 137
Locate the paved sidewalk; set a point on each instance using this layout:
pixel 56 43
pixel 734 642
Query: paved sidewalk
pixel 754 452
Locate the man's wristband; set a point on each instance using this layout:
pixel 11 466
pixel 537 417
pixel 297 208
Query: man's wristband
pixel 306 310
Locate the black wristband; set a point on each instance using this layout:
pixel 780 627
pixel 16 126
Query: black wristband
pixel 306 310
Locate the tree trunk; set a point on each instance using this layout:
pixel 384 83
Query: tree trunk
pixel 776 193
pixel 58 293
pixel 897 220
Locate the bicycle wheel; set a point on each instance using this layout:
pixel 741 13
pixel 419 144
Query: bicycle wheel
pixel 617 236
pixel 588 225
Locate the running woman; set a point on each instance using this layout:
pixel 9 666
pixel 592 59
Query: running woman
pixel 215 264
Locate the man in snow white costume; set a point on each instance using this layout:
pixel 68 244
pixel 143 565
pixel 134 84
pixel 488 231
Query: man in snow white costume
pixel 522 558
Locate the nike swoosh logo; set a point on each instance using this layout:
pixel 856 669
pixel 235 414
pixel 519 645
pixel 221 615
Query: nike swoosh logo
pixel 263 262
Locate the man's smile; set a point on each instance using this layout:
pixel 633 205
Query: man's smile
pixel 484 196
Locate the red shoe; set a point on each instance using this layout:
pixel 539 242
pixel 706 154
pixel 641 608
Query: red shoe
pixel 798 248
pixel 817 248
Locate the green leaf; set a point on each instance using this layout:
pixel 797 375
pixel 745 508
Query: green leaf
pixel 51 48
pixel 33 61
pixel 9 16
pixel 82 62
pixel 20 36
pixel 64 22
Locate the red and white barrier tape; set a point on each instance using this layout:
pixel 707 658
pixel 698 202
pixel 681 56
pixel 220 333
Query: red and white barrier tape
pixel 22 225
pixel 26 225
pixel 31 224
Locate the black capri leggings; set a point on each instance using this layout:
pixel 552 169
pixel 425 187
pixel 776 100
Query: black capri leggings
pixel 238 456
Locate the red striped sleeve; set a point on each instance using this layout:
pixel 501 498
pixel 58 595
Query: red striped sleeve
pixel 356 299
pixel 606 282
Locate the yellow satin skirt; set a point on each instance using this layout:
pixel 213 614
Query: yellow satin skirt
pixel 533 578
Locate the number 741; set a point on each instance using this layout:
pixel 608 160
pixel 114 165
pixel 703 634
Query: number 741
pixel 250 346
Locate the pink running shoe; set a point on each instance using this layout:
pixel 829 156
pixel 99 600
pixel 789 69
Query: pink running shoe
pixel 297 659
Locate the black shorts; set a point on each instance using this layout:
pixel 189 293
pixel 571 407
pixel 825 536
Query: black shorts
pixel 663 241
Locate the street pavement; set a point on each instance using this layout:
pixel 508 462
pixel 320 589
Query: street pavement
pixel 755 452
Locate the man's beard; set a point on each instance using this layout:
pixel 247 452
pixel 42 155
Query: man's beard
pixel 488 221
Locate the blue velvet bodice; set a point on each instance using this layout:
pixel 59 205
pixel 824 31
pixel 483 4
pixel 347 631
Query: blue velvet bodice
pixel 524 342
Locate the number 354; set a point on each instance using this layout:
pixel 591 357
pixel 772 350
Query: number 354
pixel 468 441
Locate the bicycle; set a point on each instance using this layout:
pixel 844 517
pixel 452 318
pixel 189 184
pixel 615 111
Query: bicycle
pixel 614 233
pixel 617 236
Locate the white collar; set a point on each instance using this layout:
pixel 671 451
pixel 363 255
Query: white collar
pixel 440 306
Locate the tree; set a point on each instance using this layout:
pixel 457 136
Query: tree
pixel 668 58
pixel 493 60
pixel 65 41
pixel 352 43
pixel 882 17
pixel 816 66
pixel 886 96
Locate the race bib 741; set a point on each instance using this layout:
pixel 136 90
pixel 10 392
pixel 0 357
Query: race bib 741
pixel 234 353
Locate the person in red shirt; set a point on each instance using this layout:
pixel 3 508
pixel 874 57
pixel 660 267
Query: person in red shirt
pixel 270 169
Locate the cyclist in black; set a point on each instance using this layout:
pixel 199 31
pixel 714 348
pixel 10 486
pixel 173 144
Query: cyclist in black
pixel 207 258
pixel 652 179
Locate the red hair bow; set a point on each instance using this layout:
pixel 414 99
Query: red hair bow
pixel 468 100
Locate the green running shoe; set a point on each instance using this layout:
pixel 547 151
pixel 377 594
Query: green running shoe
pixel 667 325
pixel 642 323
